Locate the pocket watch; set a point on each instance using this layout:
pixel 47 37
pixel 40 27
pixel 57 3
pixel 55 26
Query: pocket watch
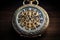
pixel 30 20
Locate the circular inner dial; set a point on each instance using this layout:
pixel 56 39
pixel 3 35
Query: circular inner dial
pixel 30 19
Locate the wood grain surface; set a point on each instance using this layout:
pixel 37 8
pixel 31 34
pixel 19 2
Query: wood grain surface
pixel 8 33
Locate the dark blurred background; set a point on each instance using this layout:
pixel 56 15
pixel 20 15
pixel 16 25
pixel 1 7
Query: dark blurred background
pixel 7 8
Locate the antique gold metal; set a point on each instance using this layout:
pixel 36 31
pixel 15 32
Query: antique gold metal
pixel 30 19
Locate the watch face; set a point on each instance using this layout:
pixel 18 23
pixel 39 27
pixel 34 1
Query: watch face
pixel 30 19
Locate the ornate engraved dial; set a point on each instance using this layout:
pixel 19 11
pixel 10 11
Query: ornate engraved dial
pixel 29 19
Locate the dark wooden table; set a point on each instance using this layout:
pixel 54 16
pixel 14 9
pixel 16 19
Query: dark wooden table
pixel 8 33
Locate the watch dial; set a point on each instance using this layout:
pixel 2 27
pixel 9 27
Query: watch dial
pixel 30 19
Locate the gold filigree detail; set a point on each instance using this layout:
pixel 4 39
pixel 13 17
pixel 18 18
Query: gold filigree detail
pixel 29 19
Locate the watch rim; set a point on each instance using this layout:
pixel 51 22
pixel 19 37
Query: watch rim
pixel 43 11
